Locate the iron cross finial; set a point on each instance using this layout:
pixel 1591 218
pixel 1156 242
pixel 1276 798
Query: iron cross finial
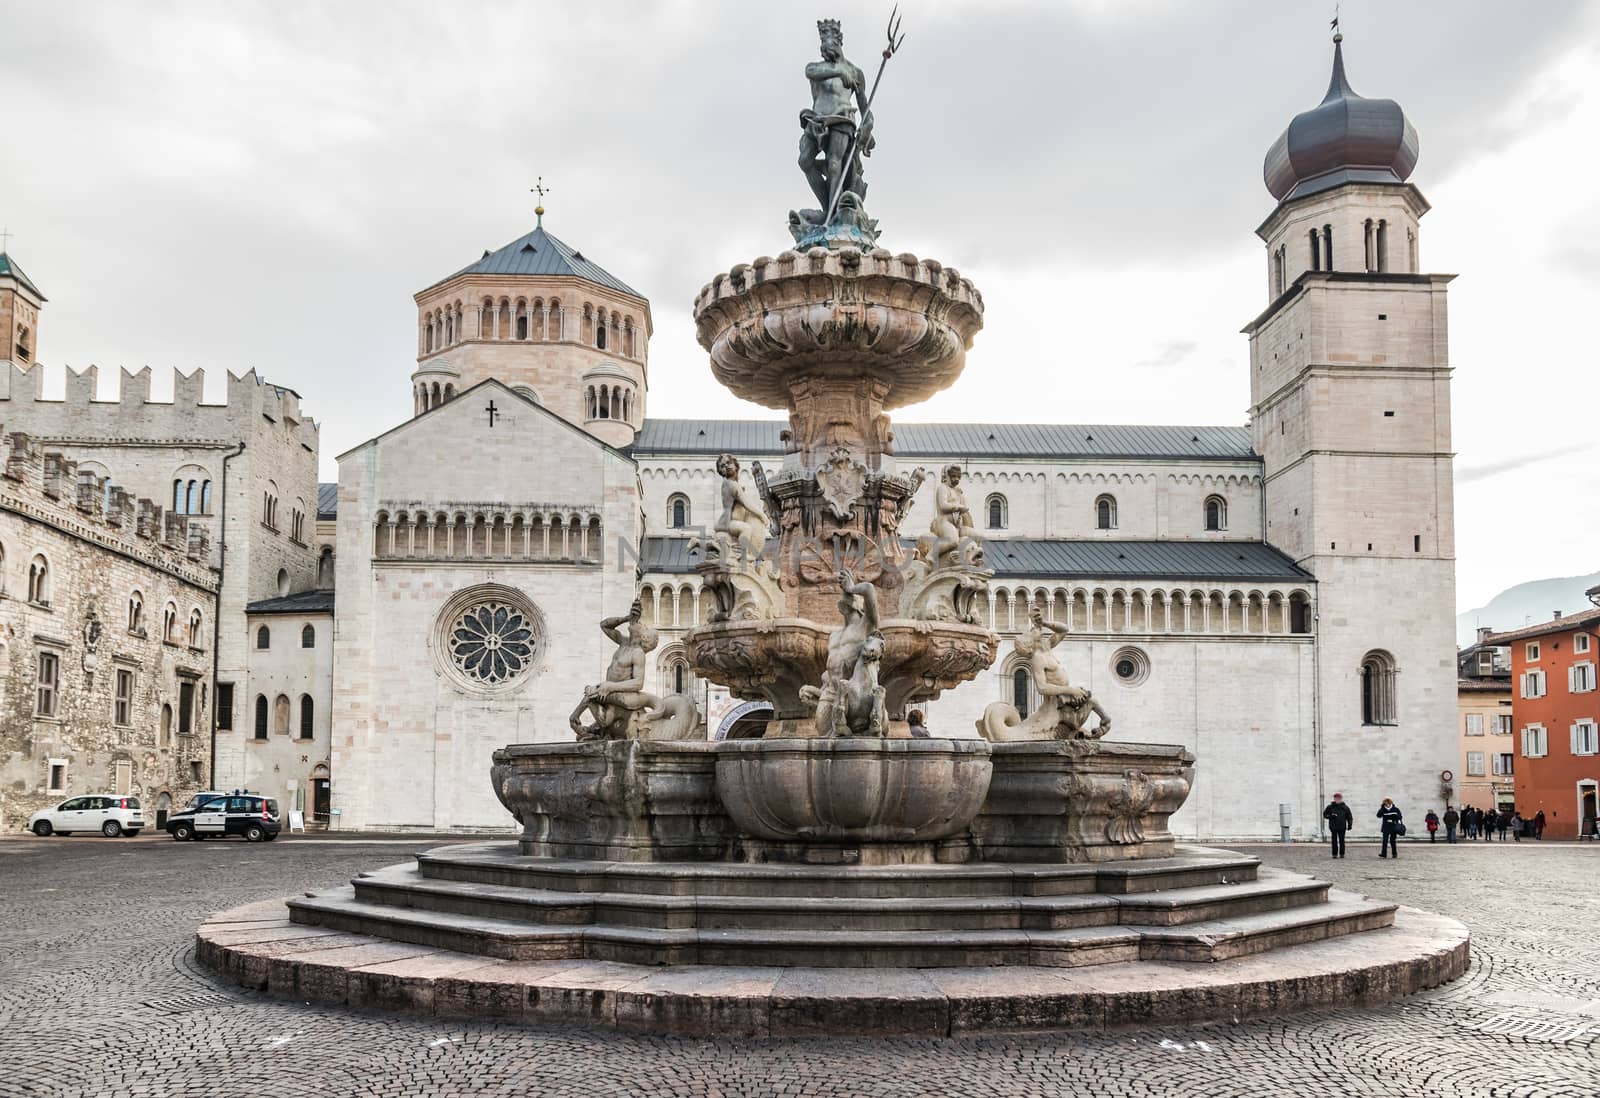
pixel 541 190
pixel 5 239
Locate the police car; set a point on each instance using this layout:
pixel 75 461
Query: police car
pixel 249 815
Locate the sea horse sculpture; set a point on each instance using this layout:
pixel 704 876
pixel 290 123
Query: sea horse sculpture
pixel 1064 710
pixel 850 701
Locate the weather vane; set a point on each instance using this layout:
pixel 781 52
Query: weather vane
pixel 541 190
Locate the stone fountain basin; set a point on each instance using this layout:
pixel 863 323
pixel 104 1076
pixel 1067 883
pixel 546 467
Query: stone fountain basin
pixel 772 660
pixel 853 790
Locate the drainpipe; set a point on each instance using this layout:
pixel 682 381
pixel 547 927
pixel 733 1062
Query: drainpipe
pixel 216 618
pixel 1316 714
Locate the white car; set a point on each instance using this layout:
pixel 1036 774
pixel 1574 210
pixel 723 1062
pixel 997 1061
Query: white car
pixel 111 814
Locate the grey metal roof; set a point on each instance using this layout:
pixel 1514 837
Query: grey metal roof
pixel 328 500
pixel 1060 558
pixel 9 269
pixel 961 440
pixel 539 253
pixel 306 602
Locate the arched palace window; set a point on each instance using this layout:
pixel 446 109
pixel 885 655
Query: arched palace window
pixel 1378 688
pixel 1105 513
pixel 996 508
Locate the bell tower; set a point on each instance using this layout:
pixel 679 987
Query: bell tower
pixel 1350 411
pixel 20 305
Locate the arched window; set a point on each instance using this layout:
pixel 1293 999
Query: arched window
pixel 136 613
pixel 1105 513
pixel 283 582
pixel 177 497
pixel 205 497
pixel 1327 247
pixel 39 580
pixel 261 716
pixel 1022 691
pixel 1316 251
pixel 306 716
pixel 997 511
pixel 263 638
pixel 169 624
pixel 22 344
pixel 308 637
pixel 195 624
pixel 191 502
pixel 1216 513
pixel 1378 688
pixel 522 326
pixel 1383 245
pixel 600 335
pixel 280 715
pixel 678 512
pixel 680 677
pixel 605 402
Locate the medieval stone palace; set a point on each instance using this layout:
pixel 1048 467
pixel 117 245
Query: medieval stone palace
pixel 184 606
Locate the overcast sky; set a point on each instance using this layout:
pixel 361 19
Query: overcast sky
pixel 265 185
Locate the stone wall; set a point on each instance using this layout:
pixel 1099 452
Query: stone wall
pixel 99 562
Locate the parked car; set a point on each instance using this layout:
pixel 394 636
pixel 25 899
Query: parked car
pixel 202 797
pixel 111 814
pixel 249 815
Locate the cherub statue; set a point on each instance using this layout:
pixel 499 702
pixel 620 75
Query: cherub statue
pixel 952 521
pixel 743 520
pixel 850 701
pixel 614 702
pixel 1064 710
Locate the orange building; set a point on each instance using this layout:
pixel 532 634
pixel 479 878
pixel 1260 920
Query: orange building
pixel 1555 711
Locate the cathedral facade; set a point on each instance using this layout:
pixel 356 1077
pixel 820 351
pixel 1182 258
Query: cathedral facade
pixel 1277 596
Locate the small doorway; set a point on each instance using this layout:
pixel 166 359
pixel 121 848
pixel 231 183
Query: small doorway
pixel 163 806
pixel 321 799
pixel 1588 809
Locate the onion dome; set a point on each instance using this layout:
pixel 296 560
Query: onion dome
pixel 1346 138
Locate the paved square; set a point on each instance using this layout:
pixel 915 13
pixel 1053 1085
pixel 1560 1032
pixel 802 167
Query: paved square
pixel 100 996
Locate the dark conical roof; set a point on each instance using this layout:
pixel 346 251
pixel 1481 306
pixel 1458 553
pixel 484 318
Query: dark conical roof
pixel 539 253
pixel 9 269
pixel 1346 138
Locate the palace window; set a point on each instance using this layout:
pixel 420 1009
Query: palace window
pixel 195 625
pixel 39 581
pixel 122 707
pixel 1105 513
pixel 136 613
pixel 306 716
pixel 169 624
pixel 47 685
pixel 1378 689
pixel 996 507
pixel 1216 513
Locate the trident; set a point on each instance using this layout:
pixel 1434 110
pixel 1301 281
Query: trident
pixel 896 39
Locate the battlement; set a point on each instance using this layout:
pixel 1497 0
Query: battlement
pixel 186 415
pixel 49 487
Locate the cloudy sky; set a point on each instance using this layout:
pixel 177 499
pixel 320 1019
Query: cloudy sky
pixel 265 185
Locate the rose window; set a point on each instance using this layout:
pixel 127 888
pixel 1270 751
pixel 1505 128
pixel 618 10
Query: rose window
pixel 492 642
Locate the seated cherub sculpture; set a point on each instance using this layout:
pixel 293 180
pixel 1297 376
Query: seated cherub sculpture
pixel 743 522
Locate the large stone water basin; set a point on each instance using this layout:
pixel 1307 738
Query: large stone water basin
pixel 853 790
pixel 772 660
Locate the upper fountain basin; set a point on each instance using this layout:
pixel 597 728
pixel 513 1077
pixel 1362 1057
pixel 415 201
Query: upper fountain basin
pixel 896 319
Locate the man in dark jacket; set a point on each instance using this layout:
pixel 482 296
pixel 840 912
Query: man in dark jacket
pixel 1451 819
pixel 1339 821
pixel 1389 813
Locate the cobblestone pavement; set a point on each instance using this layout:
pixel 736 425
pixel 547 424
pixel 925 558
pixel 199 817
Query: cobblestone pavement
pixel 100 996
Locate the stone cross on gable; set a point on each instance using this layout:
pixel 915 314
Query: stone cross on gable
pixel 493 411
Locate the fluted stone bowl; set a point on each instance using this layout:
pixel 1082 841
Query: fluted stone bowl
pixel 903 321
pixel 853 789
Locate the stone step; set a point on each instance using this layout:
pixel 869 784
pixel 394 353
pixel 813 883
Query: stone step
pixel 1204 941
pixel 501 864
pixel 404 887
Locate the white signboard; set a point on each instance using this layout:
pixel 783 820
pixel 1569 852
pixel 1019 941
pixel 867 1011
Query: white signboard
pixel 297 821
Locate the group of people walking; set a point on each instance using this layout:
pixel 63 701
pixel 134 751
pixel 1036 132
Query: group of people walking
pixel 1473 823
pixel 1485 824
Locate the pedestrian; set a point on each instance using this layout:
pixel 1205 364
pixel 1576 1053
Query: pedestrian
pixel 1393 827
pixel 1516 826
pixel 1474 821
pixel 1339 820
pixel 919 730
pixel 1451 819
pixel 1503 820
pixel 1432 820
pixel 1538 824
pixel 1491 819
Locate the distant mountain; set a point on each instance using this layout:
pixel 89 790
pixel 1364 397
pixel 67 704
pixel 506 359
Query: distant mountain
pixel 1526 604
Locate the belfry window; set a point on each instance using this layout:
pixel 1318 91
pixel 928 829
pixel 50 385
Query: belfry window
pixel 600 335
pixel 1105 513
pixel 1327 247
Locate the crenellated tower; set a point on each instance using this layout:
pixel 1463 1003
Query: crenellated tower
pixel 1350 411
pixel 541 317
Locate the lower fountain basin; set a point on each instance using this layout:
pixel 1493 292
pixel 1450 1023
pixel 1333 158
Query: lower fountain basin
pixel 853 790
pixel 620 800
pixel 1082 801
